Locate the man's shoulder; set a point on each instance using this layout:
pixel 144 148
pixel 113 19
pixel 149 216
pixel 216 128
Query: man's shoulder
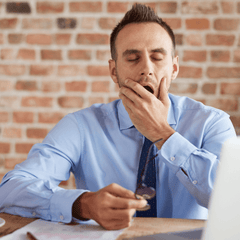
pixel 98 110
pixel 185 104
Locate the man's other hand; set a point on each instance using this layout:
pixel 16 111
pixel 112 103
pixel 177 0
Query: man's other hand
pixel 112 207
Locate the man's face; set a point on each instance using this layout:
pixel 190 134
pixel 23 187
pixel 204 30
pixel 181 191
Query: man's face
pixel 144 54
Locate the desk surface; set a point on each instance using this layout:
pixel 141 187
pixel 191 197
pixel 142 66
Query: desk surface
pixel 139 227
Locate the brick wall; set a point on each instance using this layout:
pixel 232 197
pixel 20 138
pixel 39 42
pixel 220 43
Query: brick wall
pixel 53 60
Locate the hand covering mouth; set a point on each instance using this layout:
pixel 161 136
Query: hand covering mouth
pixel 149 89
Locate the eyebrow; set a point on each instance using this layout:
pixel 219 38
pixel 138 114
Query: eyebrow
pixel 135 51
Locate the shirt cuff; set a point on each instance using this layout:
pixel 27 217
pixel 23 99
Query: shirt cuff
pixel 61 204
pixel 176 151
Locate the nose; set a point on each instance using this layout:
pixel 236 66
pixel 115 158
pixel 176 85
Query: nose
pixel 146 67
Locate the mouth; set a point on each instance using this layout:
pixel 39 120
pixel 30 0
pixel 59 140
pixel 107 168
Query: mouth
pixel 149 89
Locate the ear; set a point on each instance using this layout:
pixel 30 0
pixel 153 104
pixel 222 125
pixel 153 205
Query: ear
pixel 112 70
pixel 175 68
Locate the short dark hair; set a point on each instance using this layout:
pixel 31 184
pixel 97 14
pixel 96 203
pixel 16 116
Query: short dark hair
pixel 139 14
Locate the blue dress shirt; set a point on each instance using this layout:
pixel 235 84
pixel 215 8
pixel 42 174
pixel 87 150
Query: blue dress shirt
pixel 100 146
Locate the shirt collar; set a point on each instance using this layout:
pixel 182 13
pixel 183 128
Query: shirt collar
pixel 125 121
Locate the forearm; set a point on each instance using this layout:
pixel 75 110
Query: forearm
pixel 30 197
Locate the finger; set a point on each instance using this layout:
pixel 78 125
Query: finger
pixel 126 203
pixel 163 95
pixel 119 191
pixel 137 88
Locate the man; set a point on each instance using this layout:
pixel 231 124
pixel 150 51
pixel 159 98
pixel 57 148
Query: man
pixel 102 144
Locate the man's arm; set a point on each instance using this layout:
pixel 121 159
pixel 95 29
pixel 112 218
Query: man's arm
pixel 195 166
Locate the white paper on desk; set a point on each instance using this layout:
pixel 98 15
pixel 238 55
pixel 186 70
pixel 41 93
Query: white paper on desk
pixel 59 231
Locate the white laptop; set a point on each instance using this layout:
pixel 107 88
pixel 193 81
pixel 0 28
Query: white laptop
pixel 224 210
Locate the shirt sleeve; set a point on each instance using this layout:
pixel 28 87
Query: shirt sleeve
pixel 31 189
pixel 196 166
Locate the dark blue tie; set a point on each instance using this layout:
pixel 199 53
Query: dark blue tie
pixel 150 179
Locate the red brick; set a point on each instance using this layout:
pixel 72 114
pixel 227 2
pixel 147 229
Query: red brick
pixel 4 117
pixel 209 88
pixel 220 39
pixel 23 147
pixel 36 132
pixel 12 132
pixel 4 147
pixel 93 100
pixel 44 70
pixel 8 23
pixel 41 39
pixel 168 7
pixel 23 117
pixel 51 86
pixel 110 99
pixel 50 117
pixel 41 23
pixel 197 23
pixel 177 88
pixel 195 7
pixel 197 56
pixel 194 39
pixel 107 23
pixel 220 56
pixel 11 162
pixel 85 6
pixel 225 104
pixel 62 39
pixel 226 24
pixel 50 7
pixel 12 70
pixel 26 54
pixel 100 86
pixel 15 38
pixel 71 70
pixel 103 55
pixel 36 101
pixel 92 38
pixel 223 72
pixel 227 7
pixel 7 54
pixel 88 22
pixel 120 7
pixel 1 38
pixel 236 57
pixel 79 86
pixel 174 23
pixel 190 72
pixel 70 102
pixel 26 85
pixel 98 70
pixel 51 54
pixel 6 85
pixel 79 54
pixel 230 88
pixel 235 120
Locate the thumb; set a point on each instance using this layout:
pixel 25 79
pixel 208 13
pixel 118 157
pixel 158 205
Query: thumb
pixel 163 95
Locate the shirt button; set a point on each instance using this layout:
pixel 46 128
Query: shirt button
pixel 34 214
pixel 172 158
pixel 194 182
pixel 61 217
